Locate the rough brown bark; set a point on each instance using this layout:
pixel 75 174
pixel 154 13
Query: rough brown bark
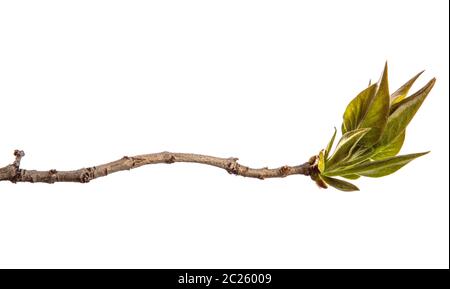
pixel 14 173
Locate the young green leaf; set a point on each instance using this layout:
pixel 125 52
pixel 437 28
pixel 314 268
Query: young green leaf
pixel 401 93
pixel 330 144
pixel 321 164
pixel 403 114
pixel 376 169
pixel 357 109
pixel 389 150
pixel 377 112
pixel 340 184
pixel 346 144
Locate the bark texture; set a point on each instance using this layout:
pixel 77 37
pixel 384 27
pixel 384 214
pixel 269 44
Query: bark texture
pixel 14 173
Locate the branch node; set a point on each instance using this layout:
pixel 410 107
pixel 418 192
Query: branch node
pixel 17 176
pixel 170 159
pixel 232 166
pixel 284 170
pixel 87 175
pixel 52 176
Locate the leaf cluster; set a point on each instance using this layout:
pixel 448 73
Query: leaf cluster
pixel 373 131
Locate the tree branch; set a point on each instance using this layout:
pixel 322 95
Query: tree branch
pixel 15 174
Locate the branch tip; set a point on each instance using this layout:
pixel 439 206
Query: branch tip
pixel 19 154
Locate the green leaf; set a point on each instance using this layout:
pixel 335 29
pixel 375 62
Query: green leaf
pixel 391 149
pixel 321 164
pixel 378 111
pixel 357 109
pixel 346 145
pixel 378 168
pixel 401 93
pixel 330 144
pixel 403 114
pixel 340 184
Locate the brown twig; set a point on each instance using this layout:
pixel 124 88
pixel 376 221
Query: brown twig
pixel 15 174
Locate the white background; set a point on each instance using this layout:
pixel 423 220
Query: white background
pixel 87 82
